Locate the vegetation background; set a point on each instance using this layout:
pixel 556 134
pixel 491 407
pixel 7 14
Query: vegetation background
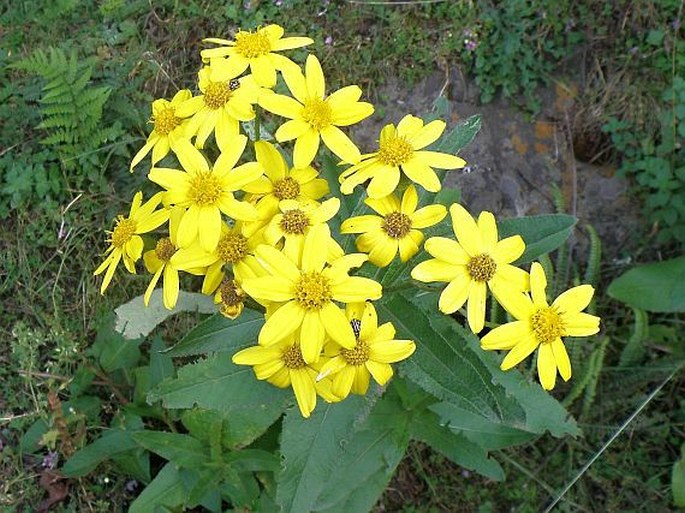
pixel 76 82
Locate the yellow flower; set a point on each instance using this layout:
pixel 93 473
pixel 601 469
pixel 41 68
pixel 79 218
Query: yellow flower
pixel 206 193
pixel 314 116
pixel 167 125
pixel 125 241
pixel 396 229
pixel 282 364
pixel 399 149
pixel 540 325
pixel 478 261
pixel 256 49
pixel 302 185
pixel 308 293
pixel 220 108
pixel 295 221
pixel 374 351
pixel 230 298
pixel 234 249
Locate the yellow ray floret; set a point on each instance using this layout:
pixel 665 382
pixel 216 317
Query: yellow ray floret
pixel 125 242
pixel 315 116
pixel 207 192
pixel 401 148
pixel 478 260
pixel 308 294
pixel 256 50
pixel 375 349
pixel 397 229
pixel 541 326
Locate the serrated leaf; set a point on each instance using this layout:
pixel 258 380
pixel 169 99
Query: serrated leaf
pixel 135 320
pixel 656 287
pixel 112 443
pixel 166 490
pixel 219 334
pixel 370 456
pixel 444 364
pixel 238 428
pixel 217 383
pixel 542 234
pixel 183 450
pixel 311 448
pixel 427 428
pixel 460 136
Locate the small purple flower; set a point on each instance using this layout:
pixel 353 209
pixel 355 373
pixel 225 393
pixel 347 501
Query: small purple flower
pixel 570 25
pixel 278 3
pixel 675 24
pixel 328 41
pixel 131 485
pixel 50 460
pixel 633 50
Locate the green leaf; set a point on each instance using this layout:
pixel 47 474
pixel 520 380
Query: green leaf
pixel 447 196
pixel 444 364
pixel 460 136
pixel 183 450
pixel 161 365
pixel 656 287
pixel 370 456
pixel 165 491
pixel 112 443
pixel 541 234
pixel 218 334
pixel 453 445
pixel 678 479
pixel 311 448
pixel 113 351
pixel 238 428
pixel 135 320
pixel 217 383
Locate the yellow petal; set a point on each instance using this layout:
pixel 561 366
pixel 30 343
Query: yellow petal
pixel 276 263
pixel 384 180
pixel 263 71
pixel 171 287
pixel 466 230
pixel 281 105
pixel 356 288
pixel 361 224
pixel 561 358
pixel 547 367
pixel 575 299
pixel 291 129
pixel 508 250
pixel 455 294
pixel 383 251
pixel 312 336
pixel 447 250
pixel 151 286
pixel 336 141
pixel 305 392
pixel 427 135
pixel 209 227
pixel 313 253
pixel 488 231
pixel 408 246
pixel 362 378
pixel 440 160
pixel 229 156
pixel 271 160
pixel 407 127
pixel 505 336
pixel 334 321
pixel 281 323
pixel 519 352
pixel 436 270
pixel 306 147
pixel 428 216
pixel 316 84
pixel 475 309
pixel 391 351
pixel 288 43
pixel 256 355
pixel 269 288
pixel 296 82
pixel 538 284
pixel 580 325
pixel 381 372
pixel 351 113
pixel 342 381
pixel 410 200
pixel 422 174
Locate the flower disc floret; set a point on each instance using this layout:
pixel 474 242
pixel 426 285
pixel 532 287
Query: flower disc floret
pixel 204 189
pixel 252 44
pixel 547 325
pixel 292 357
pixel 123 231
pixel 317 113
pixel 294 221
pixel 395 151
pixel 359 355
pixel 165 249
pixel 482 267
pixel 287 188
pixel 217 95
pixel 166 120
pixel 397 224
pixel 232 247
pixel 313 290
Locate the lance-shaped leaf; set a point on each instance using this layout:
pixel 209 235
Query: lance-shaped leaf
pixel 654 287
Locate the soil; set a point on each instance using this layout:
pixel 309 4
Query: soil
pixel 515 162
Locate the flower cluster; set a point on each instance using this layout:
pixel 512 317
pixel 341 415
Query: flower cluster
pixel 257 228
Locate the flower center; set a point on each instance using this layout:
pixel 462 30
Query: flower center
pixel 357 356
pixel 232 298
pixel 397 225
pixel 232 247
pixel 165 249
pixel 292 358
pixel 251 45
pixel 481 267
pixel 547 324
pixel 317 113
pixel 395 151
pixel 288 188
pixel 204 189
pixel 165 121
pixel 312 291
pixel 294 221
pixel 123 231
pixel 217 95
